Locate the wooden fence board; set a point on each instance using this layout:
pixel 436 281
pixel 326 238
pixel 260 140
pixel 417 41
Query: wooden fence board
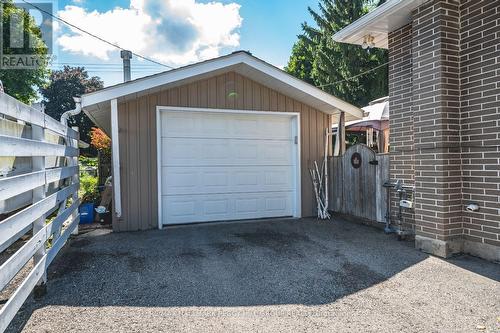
pixel 9 309
pixel 17 222
pixel 12 186
pixel 16 262
pixel 11 146
pixel 14 109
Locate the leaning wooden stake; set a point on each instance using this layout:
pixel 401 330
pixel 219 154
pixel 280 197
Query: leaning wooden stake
pixel 319 177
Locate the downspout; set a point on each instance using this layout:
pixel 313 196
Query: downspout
pixel 73 161
pixel 71 113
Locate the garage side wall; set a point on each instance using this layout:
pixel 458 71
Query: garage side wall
pixel 137 132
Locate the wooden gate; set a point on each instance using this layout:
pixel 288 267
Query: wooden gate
pixel 357 180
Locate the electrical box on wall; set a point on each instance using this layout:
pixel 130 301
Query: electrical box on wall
pixel 406 204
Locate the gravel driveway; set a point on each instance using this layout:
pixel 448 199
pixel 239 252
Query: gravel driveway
pixel 265 276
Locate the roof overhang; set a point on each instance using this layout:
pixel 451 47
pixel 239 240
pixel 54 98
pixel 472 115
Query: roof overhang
pixel 97 104
pixel 384 19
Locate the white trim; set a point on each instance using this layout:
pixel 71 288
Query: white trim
pixel 298 174
pixel 295 123
pixel 330 103
pixel 188 109
pixel 115 146
pixel 158 166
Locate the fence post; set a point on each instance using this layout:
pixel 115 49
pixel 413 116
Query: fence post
pixel 38 164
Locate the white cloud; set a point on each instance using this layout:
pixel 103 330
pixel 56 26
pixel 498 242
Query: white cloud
pixel 173 31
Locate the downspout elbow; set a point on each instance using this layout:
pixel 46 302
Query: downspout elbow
pixel 71 113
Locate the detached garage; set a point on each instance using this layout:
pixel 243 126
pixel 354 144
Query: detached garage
pixel 226 139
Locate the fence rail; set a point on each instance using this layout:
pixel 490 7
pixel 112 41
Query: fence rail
pixel 38 194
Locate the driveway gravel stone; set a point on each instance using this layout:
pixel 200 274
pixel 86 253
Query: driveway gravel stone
pixel 261 276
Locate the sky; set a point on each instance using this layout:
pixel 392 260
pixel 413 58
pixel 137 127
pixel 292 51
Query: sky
pixel 175 32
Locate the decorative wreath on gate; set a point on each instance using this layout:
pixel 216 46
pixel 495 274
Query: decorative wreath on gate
pixel 356 160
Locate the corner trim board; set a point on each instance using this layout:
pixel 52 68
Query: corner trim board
pixel 115 148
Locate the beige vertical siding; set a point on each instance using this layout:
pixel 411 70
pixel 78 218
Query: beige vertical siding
pixel 137 124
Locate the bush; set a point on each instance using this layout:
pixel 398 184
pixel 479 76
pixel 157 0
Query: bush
pixel 100 141
pixel 88 188
pixel 88 161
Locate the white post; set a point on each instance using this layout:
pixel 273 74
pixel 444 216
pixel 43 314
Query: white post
pixel 115 152
pixel 38 164
pixel 342 136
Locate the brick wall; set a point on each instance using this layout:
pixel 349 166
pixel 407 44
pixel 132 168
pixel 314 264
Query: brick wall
pixel 480 118
pixel 445 122
pixel 401 116
pixel 436 110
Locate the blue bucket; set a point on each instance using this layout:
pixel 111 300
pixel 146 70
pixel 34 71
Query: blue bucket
pixel 86 213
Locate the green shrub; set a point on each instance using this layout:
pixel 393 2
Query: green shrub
pixel 88 161
pixel 88 188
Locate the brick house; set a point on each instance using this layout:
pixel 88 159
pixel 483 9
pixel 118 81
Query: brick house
pixel 444 86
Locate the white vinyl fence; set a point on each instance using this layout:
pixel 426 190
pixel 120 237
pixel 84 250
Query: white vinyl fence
pixel 38 180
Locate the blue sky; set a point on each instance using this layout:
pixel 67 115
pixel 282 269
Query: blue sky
pixel 268 29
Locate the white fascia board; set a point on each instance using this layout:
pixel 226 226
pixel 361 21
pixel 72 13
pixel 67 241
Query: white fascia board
pixel 375 22
pixel 213 66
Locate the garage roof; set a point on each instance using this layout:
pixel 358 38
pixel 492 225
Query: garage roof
pixel 97 104
pixel 388 17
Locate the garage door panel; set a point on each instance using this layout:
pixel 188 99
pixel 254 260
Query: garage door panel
pixel 223 125
pixel 205 208
pixel 206 180
pixel 209 152
pixel 178 124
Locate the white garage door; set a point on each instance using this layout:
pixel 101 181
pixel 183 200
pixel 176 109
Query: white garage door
pixel 218 166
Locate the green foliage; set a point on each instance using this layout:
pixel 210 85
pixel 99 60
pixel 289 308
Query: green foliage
pixel 23 83
pixel 58 97
pixel 317 59
pixel 85 161
pixel 88 188
pixel 300 63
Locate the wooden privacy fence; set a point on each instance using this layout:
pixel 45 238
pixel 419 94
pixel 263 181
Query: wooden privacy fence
pixel 38 180
pixel 357 180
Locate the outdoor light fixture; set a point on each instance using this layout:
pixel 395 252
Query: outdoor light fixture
pixel 368 42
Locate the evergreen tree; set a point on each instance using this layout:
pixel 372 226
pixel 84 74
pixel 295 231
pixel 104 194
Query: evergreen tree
pixel 331 63
pixel 300 64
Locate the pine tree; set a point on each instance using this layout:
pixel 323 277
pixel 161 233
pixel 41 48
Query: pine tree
pixel 331 63
pixel 300 64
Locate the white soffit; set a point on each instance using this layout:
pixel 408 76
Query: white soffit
pixel 95 104
pixel 388 17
